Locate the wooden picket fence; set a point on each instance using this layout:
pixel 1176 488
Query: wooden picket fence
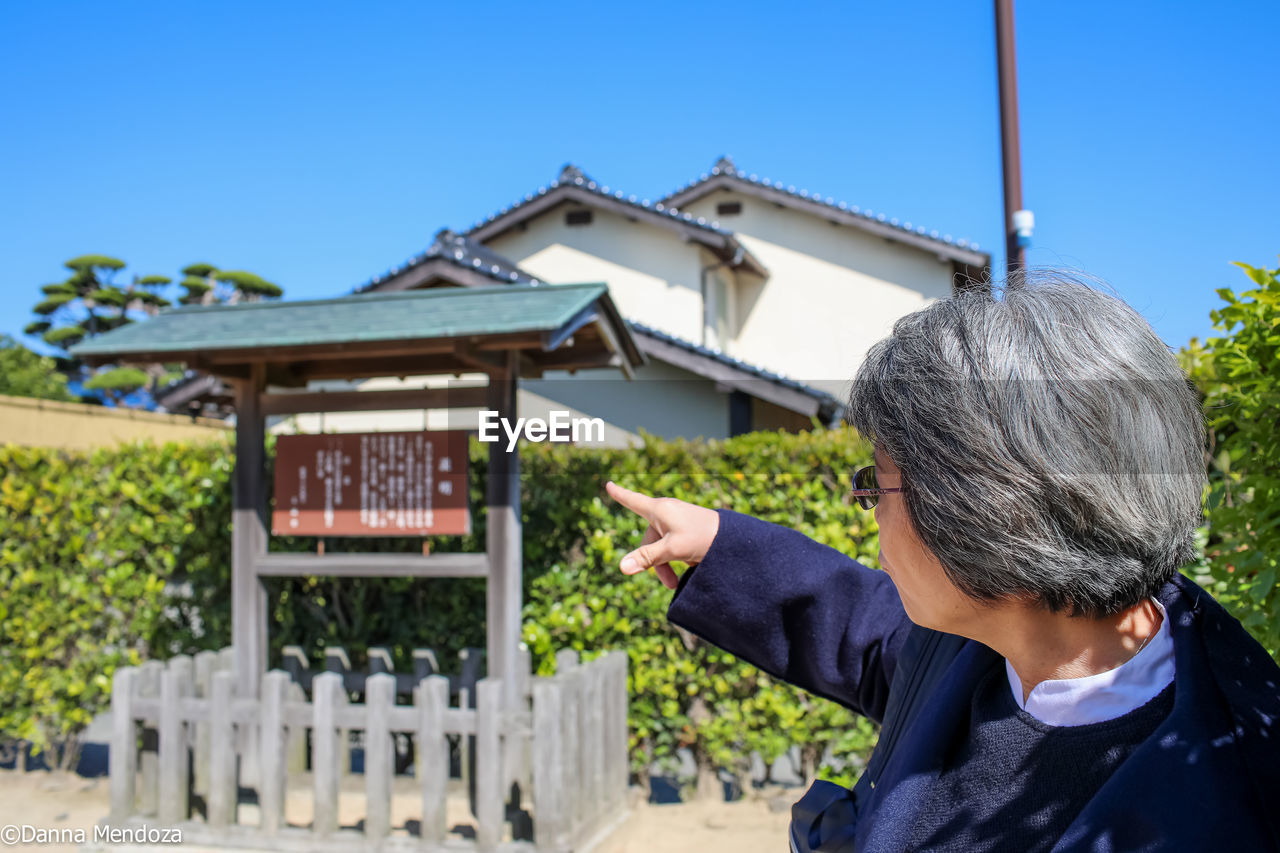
pixel 566 744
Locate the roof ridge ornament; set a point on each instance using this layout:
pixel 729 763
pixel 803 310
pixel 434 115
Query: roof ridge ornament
pixel 570 173
pixel 725 166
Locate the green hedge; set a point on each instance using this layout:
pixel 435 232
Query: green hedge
pixel 89 543
pixel 121 555
pixel 1240 385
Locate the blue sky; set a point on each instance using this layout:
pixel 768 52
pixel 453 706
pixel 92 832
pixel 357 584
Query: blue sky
pixel 319 144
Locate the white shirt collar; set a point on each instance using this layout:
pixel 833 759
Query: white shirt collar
pixel 1104 695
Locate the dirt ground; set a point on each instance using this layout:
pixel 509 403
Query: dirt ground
pixel 757 824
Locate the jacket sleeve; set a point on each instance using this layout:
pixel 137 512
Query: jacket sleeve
pixel 799 610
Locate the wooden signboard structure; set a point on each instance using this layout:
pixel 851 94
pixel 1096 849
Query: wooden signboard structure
pixel 372 484
pixel 270 352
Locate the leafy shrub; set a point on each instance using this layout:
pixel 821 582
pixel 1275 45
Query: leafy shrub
pixel 120 555
pixel 89 542
pixel 684 692
pixel 1237 374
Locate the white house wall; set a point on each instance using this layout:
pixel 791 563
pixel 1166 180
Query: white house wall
pixel 667 401
pixel 831 293
pixel 652 272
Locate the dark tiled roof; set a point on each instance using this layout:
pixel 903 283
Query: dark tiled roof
pixel 462 251
pixel 193 385
pixel 725 167
pixel 724 358
pixel 362 318
pixel 571 175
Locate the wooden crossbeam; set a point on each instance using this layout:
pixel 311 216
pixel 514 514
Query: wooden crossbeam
pixel 374 401
pixel 373 565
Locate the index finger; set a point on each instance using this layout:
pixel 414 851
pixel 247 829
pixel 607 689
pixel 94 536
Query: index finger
pixel 634 501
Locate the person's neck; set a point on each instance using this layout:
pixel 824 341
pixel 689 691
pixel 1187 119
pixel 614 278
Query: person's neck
pixel 1043 646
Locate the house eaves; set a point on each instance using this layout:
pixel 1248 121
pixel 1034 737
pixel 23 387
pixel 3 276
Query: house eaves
pixel 574 186
pixel 963 254
pixel 193 387
pixel 737 374
pixel 454 258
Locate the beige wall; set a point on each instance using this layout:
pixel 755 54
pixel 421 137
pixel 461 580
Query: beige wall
pixel 832 290
pixel 76 426
pixel 652 273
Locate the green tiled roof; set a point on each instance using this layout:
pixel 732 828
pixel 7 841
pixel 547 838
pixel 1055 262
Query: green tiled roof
pixel 362 318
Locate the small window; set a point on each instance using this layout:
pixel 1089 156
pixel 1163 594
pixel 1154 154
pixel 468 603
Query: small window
pixel 728 208
pixel 577 217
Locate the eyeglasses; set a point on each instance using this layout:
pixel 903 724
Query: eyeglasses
pixel 866 490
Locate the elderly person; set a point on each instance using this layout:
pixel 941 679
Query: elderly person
pixel 1045 677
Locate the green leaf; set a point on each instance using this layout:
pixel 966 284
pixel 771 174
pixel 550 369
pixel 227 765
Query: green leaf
pixel 1263 584
pixel 122 379
pixel 64 336
pixel 53 303
pixel 109 296
pixel 1259 276
pixel 91 262
pixel 249 283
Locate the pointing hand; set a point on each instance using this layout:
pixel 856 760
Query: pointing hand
pixel 678 530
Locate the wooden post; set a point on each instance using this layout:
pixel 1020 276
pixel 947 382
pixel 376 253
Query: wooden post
pixel 516 757
pixel 249 535
pixel 608 714
pixel 550 829
pixel 618 767
pixel 184 666
pixel 296 740
pixel 624 727
pixel 424 664
pixel 222 751
pixel 294 661
pixel 148 687
pixel 326 751
pixel 489 793
pixel 504 540
pixel 568 672
pixel 433 755
pixel 380 660
pixel 205 662
pixel 172 776
pixel 592 717
pixel 124 745
pixel 379 751
pixel 271 741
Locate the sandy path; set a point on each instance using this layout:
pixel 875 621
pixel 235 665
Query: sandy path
pixel 58 801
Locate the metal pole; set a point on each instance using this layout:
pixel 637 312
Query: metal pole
pixel 1011 160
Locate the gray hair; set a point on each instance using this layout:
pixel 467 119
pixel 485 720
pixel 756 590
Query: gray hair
pixel 1049 442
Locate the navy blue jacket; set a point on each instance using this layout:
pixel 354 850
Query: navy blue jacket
pixel 1208 778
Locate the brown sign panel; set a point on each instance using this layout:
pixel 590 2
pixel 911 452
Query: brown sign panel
pixel 371 484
